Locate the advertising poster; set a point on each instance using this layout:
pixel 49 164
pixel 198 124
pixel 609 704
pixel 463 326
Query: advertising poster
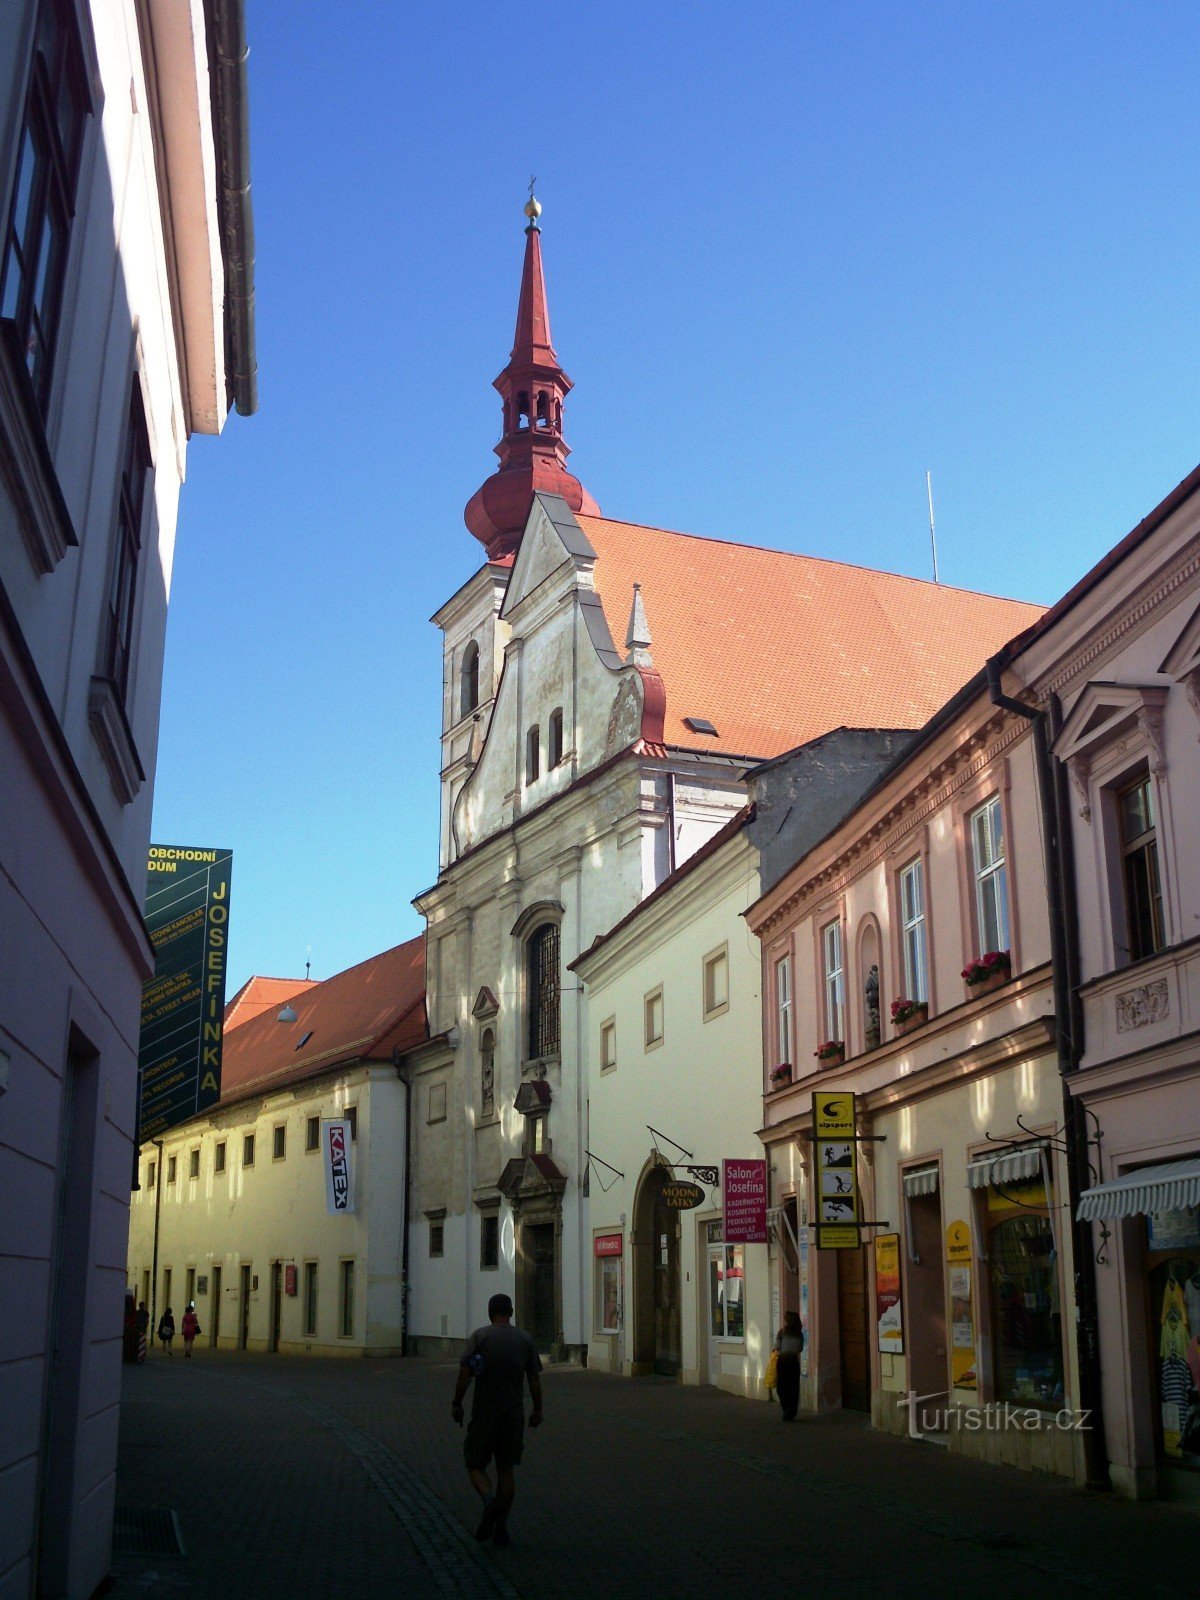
pixel 835 1172
pixel 183 1005
pixel 744 1196
pixel 336 1146
pixel 962 1316
pixel 888 1313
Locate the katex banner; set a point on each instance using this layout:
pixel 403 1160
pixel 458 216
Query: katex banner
pixel 336 1145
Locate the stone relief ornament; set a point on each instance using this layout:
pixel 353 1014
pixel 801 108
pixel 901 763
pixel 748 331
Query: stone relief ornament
pixel 1140 1007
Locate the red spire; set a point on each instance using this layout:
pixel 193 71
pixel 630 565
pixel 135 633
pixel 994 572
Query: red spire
pixel 532 450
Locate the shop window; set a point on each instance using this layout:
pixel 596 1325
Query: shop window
pixel 834 981
pixel 1024 1295
pixel 312 1133
pixel 990 873
pixel 1139 869
pixel 219 1156
pixel 653 1018
pixel 784 1038
pixel 608 1291
pixel 489 1240
pixel 915 947
pixel 726 1286
pixel 1173 1263
pixel 716 983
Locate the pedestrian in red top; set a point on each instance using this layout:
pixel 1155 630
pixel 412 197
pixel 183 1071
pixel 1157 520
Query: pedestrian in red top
pixel 190 1328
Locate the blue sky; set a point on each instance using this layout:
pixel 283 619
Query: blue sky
pixel 797 255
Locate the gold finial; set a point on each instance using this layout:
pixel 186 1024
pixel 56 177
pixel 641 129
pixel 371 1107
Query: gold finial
pixel 533 206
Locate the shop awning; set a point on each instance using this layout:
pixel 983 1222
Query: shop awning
pixel 921 1180
pixel 1014 1165
pixel 1171 1187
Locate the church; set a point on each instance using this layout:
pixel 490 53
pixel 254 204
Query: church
pixel 606 688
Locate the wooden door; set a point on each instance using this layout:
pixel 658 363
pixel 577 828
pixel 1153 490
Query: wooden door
pixel 853 1330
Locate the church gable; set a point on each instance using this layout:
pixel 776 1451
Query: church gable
pixel 552 541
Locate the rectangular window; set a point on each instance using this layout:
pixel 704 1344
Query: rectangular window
pixel 166 1299
pixel 437 1236
pixel 351 1116
pixel 171 1163
pixel 912 925
pixel 554 753
pixel 533 754
pixel 279 1141
pixel 190 1293
pixel 248 1150
pixel 346 1301
pixel 117 643
pixel 1023 1279
pixel 146 1287
pixel 542 980
pixel 151 1174
pixel 653 1007
pixel 608 1045
pixel 991 881
pixel 783 1011
pixel 219 1156
pixel 835 982
pixel 38 229
pixel 194 1163
pixel 716 983
pixel 437 1103
pixel 608 1294
pixel 310 1299
pixel 489 1239
pixel 726 1297
pixel 312 1133
pixel 1139 858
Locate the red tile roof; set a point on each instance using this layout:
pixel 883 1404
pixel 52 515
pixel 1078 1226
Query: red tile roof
pixel 257 994
pixel 362 1014
pixel 775 649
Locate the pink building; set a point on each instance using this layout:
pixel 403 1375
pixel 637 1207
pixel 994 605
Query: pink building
pixel 944 1316
pixel 126 325
pixel 1116 663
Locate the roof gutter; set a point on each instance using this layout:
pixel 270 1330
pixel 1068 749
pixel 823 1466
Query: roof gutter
pixel 227 53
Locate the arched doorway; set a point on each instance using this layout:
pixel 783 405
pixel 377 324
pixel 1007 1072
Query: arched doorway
pixel 657 1293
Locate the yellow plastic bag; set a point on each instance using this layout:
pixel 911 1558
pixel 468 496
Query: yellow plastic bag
pixel 769 1375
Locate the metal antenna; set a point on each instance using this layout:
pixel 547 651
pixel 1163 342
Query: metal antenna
pixel 932 531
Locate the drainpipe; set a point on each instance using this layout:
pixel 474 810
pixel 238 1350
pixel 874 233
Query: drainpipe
pixel 407 1082
pixel 231 113
pixel 158 1188
pixel 1059 866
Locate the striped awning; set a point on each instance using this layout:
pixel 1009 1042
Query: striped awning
pixel 921 1180
pixel 1013 1165
pixel 1174 1186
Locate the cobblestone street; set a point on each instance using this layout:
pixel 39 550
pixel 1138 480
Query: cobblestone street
pixel 344 1479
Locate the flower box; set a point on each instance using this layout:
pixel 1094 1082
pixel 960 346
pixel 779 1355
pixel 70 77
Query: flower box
pixel 780 1075
pixel 830 1054
pixel 908 1016
pixel 988 972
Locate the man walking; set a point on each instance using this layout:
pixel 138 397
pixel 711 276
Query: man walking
pixel 499 1358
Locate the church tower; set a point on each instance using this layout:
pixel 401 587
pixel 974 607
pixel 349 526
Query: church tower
pixel 533 453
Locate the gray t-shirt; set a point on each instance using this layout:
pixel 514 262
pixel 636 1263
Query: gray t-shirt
pixel 501 1357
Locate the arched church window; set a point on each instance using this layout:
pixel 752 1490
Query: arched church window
pixel 558 415
pixel 522 409
pixel 542 991
pixel 487 1071
pixel 533 754
pixel 554 753
pixel 543 409
pixel 469 678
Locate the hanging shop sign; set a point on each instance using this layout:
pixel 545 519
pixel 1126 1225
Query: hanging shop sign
pixel 888 1313
pixel 336 1145
pixel 962 1315
pixel 744 1198
pixel 183 1005
pixel 680 1196
pixel 835 1167
pixel 609 1244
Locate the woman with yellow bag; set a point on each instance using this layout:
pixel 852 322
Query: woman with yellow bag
pixel 770 1375
pixel 789 1342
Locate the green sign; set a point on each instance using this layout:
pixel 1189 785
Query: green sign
pixel 183 1005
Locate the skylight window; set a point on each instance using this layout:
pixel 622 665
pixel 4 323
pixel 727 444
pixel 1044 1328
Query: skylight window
pixel 700 725
pixel 305 1040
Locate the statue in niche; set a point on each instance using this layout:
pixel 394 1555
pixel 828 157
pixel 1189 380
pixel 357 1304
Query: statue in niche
pixel 487 1051
pixel 871 1004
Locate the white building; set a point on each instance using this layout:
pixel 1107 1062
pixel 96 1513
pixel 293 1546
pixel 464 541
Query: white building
pixel 125 327
pixel 232 1212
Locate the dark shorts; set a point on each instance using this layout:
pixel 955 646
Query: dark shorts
pixel 501 1436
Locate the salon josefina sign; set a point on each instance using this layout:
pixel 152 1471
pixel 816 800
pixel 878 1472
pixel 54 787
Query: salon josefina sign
pixel 744 1195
